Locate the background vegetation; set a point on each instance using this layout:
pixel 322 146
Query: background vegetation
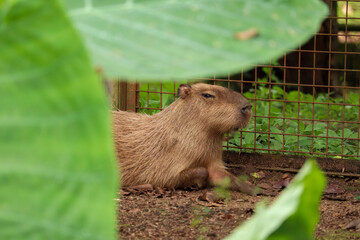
pixel 321 129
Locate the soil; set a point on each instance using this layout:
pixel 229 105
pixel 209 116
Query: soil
pixel 195 214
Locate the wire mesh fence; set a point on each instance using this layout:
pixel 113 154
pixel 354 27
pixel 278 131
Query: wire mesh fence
pixel 305 103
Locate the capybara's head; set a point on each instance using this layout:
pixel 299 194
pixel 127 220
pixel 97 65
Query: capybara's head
pixel 218 108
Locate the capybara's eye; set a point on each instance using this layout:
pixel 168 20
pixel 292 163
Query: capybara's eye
pixel 206 95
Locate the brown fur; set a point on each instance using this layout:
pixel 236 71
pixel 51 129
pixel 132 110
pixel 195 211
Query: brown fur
pixel 181 145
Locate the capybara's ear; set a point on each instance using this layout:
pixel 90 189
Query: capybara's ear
pixel 184 90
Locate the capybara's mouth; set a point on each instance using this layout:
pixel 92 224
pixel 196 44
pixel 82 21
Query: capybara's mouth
pixel 239 126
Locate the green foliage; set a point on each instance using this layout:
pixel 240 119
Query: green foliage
pixel 151 103
pixel 57 174
pixel 293 215
pixel 161 39
pixel 327 135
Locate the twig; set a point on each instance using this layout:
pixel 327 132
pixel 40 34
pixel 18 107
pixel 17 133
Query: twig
pixel 296 170
pixel 327 197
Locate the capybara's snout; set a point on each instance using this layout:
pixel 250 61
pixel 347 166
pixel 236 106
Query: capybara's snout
pixel 247 108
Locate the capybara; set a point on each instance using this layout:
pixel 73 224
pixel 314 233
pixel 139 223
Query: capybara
pixel 181 146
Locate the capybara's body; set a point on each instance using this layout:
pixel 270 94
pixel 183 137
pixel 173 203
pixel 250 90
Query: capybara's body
pixel 181 145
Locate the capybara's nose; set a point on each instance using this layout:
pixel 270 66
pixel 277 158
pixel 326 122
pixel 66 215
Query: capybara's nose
pixel 246 109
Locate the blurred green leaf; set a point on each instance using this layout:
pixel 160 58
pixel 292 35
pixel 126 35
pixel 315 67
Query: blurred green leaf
pixel 347 133
pixel 249 138
pixel 293 215
pixel 331 133
pixel 160 39
pixel 57 174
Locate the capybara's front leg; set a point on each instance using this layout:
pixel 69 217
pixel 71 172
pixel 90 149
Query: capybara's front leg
pixel 193 177
pixel 217 175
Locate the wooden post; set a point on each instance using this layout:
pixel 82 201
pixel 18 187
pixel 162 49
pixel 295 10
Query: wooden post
pixel 125 96
pixel 131 97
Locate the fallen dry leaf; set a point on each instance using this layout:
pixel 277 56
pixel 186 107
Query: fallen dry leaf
pixel 354 224
pixel 282 183
pixel 124 192
pixel 334 189
pixel 269 192
pixel 278 185
pixel 136 189
pixel 286 175
pixel 246 34
pixel 207 197
pixel 264 185
pixel 211 197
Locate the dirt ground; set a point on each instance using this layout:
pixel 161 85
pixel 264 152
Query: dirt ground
pixel 194 214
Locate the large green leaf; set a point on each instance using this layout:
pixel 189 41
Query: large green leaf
pixel 57 173
pixel 293 216
pixel 160 39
